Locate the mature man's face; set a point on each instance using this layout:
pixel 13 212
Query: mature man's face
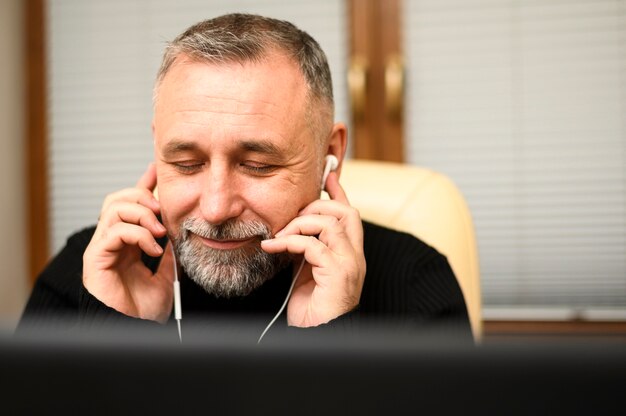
pixel 236 161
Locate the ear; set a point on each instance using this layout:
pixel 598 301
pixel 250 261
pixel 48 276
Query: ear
pixel 337 144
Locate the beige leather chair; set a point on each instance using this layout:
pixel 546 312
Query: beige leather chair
pixel 423 203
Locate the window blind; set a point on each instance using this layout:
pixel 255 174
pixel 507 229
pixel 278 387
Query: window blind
pixel 103 58
pixel 523 105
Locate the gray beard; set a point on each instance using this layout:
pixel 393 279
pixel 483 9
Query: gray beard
pixel 226 273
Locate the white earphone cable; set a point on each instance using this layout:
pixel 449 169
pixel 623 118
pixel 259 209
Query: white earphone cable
pixel 293 283
pixel 178 313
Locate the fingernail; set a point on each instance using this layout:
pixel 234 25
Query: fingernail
pixel 160 227
pixel 158 248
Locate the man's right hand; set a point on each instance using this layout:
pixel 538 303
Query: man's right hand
pixel 113 271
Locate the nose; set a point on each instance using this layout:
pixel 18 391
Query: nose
pixel 221 198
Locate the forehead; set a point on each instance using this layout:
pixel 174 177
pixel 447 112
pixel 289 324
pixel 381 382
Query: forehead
pixel 271 91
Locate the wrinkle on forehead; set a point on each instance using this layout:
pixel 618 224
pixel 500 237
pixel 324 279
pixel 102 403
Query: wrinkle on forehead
pixel 237 111
pixel 196 116
pixel 253 76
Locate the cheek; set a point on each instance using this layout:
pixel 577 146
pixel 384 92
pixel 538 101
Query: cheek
pixel 178 199
pixel 278 203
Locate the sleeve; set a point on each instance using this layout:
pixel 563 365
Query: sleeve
pixel 54 300
pixel 60 302
pixel 94 316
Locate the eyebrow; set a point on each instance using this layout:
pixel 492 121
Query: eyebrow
pixel 179 146
pixel 260 146
pixel 256 146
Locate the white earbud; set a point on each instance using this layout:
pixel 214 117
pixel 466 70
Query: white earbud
pixel 331 165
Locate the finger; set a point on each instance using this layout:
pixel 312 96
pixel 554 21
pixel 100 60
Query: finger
pixel 333 208
pixel 134 195
pixel 349 216
pixel 132 213
pixel 334 189
pixel 167 264
pixel 328 228
pixel 315 252
pixel 308 225
pixel 149 179
pixel 330 231
pixel 122 235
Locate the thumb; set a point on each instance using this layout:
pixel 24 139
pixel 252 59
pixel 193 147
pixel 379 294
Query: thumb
pixel 334 189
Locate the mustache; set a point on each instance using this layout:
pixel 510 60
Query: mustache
pixel 229 230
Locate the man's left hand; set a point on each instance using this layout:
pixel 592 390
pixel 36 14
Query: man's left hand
pixel 329 235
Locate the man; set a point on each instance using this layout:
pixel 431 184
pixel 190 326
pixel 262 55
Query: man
pixel 243 121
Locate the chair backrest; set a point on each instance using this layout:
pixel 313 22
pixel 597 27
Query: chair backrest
pixel 423 203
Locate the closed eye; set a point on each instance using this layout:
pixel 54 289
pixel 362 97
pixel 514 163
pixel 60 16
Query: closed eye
pixel 258 168
pixel 187 167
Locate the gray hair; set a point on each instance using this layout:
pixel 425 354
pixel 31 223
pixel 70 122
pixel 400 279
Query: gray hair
pixel 250 38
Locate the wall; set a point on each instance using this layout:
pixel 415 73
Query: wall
pixel 522 104
pixel 13 275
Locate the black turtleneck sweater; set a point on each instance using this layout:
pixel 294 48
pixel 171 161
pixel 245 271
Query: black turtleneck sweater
pixel 408 283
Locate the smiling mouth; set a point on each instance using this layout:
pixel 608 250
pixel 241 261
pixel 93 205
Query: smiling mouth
pixel 226 244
